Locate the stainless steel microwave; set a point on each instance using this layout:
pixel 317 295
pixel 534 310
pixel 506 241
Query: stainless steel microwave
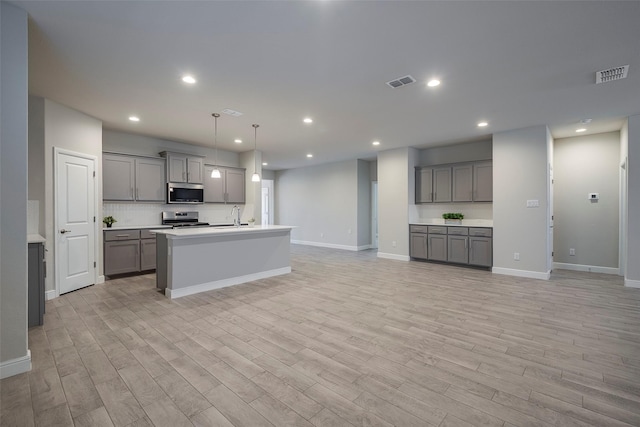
pixel 185 193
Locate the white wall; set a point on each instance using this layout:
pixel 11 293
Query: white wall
pixel 632 273
pixel 14 356
pixel 36 158
pixel 74 131
pixel 520 162
pixel 129 143
pixel 252 162
pixel 583 165
pixel 322 202
pixel 396 190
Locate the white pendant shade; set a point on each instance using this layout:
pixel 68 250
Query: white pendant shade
pixel 215 173
pixel 255 177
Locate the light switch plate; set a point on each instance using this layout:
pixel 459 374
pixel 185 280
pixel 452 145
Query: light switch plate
pixel 533 203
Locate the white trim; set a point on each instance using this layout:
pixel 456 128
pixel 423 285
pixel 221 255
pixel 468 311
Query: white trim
pixel 631 283
pixel 100 279
pixel 49 295
pixel 97 236
pixel 393 256
pixel 587 268
pixel 331 245
pixel 203 287
pixel 16 366
pixel 522 273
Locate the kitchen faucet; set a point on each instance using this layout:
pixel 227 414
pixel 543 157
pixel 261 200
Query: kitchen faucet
pixel 236 221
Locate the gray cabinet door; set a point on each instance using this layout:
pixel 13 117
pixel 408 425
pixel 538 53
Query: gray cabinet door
pixel 150 180
pixel 462 183
pixel 235 186
pixel 177 168
pixel 195 170
pixel 437 247
pixel 35 280
pixel 458 250
pixel 147 254
pixel 118 177
pixel 121 256
pixel 483 182
pixel 214 188
pixel 424 185
pixel 442 184
pixel 418 247
pixel 480 251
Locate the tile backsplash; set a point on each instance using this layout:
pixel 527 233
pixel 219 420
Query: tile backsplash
pixel 130 214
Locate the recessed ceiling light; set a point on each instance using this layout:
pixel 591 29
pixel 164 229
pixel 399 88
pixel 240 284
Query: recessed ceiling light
pixel 188 79
pixel 308 120
pixel 375 143
pixel 433 83
pixel 483 124
pixel 134 118
pixel 264 163
pixel 581 130
pixel 237 141
pixel 309 155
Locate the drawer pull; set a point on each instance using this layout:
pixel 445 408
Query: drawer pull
pixel 122 235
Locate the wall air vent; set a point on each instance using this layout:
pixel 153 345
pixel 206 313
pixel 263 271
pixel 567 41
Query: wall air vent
pixel 402 81
pixel 615 73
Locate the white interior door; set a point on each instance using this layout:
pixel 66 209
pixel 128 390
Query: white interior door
pixel 75 226
pixel 267 202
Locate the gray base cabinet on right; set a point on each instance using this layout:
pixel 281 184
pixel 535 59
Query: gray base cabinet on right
pixel 457 245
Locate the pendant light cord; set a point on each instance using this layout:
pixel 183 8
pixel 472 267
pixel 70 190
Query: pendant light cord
pixel 215 137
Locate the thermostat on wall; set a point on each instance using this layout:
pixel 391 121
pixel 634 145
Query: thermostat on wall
pixel 594 196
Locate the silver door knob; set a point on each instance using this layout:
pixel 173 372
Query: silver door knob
pixel 63 231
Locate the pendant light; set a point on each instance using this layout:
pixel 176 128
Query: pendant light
pixel 215 172
pixel 255 177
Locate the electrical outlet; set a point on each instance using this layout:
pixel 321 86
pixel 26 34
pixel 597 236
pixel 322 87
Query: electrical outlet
pixel 349 231
pixel 321 235
pixel 572 251
pixel 516 256
pixel 393 243
pixel 533 203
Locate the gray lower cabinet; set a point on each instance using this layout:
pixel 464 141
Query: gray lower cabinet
pixel 36 274
pixel 459 245
pixel 129 251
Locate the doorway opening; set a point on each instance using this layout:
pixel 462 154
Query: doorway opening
pixel 267 202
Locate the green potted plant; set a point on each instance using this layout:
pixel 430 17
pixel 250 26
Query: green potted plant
pixel 252 222
pixel 109 220
pixel 453 218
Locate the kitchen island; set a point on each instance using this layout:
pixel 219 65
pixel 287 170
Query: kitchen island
pixel 193 260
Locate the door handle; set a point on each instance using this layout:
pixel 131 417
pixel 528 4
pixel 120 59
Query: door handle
pixel 63 231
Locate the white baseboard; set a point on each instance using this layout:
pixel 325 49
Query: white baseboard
pixel 587 268
pixel 209 286
pixel 393 256
pixel 100 280
pixel 331 245
pixel 50 294
pixel 631 283
pixel 522 273
pixel 16 366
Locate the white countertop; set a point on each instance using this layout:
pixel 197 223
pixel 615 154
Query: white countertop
pixel 465 222
pixel 192 232
pixel 136 227
pixel 35 238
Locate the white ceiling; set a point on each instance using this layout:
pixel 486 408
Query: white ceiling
pixel 514 64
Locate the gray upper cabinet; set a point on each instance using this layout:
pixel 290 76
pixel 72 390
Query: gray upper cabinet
pixel 483 182
pixel 462 183
pixel 424 185
pixel 131 178
pixel 442 184
pixel 184 167
pixel 229 188
pixel 118 177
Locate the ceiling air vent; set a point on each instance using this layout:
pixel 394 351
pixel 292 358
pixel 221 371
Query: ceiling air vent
pixel 615 73
pixel 232 112
pixel 402 81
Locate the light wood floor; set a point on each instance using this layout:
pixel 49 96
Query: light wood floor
pixel 345 339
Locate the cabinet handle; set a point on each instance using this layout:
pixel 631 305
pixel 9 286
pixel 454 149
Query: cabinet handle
pixel 183 176
pixel 122 235
pixel 188 173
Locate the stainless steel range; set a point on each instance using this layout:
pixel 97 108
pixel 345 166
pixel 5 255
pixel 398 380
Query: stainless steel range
pixel 182 219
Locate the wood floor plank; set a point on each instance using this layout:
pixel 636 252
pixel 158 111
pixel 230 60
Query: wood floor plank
pixel 346 338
